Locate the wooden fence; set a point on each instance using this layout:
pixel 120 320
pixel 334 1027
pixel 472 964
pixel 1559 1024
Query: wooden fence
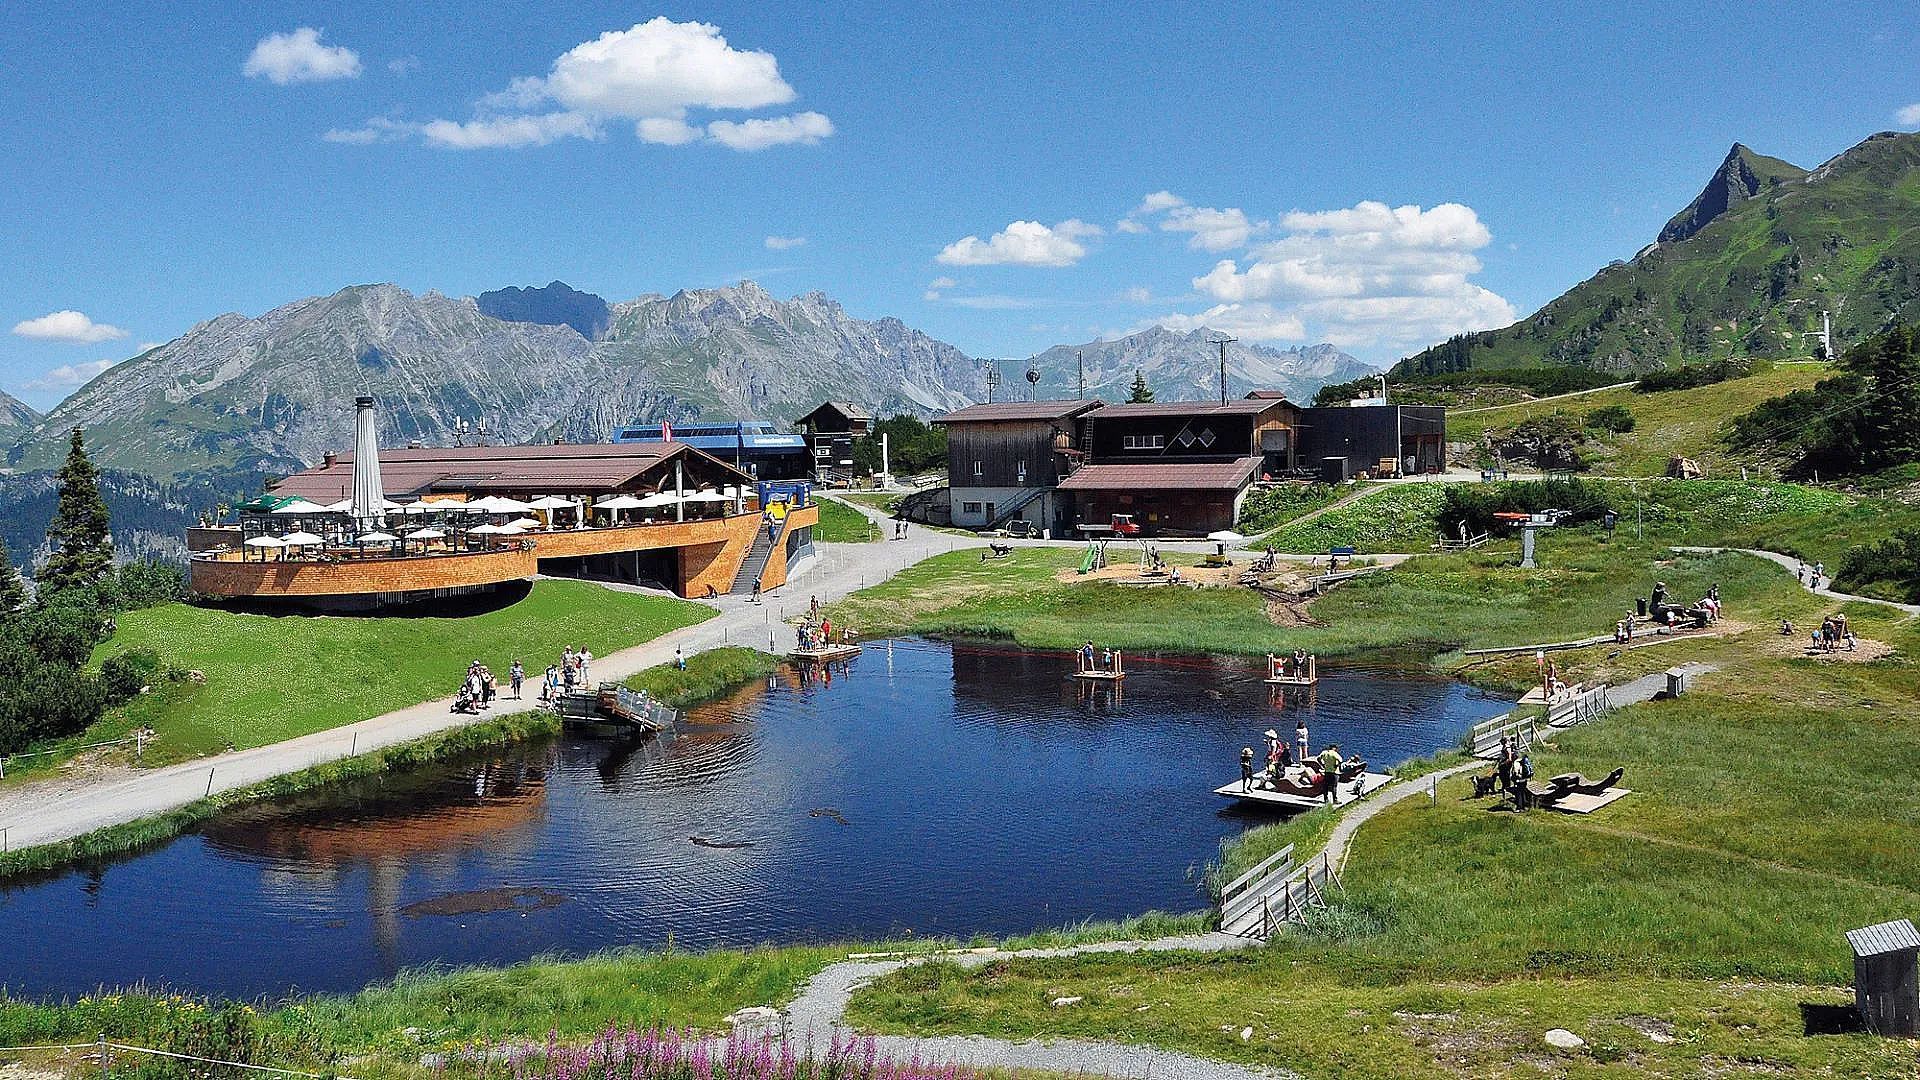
pixel 1586 705
pixel 1274 893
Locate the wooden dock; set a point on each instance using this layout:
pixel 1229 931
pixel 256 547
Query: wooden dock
pixel 613 709
pixel 826 654
pixel 1369 783
pixel 1097 676
pixel 1112 673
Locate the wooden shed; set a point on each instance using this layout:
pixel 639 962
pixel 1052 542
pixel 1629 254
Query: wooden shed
pixel 1886 981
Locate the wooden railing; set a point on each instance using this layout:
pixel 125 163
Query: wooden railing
pixel 1580 708
pixel 1523 725
pixel 1275 893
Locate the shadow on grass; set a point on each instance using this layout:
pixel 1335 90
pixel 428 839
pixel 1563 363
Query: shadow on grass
pixel 496 598
pixel 1830 1019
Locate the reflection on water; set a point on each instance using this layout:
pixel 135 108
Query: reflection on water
pixel 923 788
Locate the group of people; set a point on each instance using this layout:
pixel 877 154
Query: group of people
pixel 817 633
pixel 478 689
pixel 1297 666
pixel 900 529
pixel 1089 662
pixel 1811 577
pixel 1511 771
pixel 1662 610
pixel 575 669
pixel 1293 763
pixel 1834 635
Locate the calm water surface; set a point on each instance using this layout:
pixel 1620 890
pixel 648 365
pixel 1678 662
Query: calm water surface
pixel 927 788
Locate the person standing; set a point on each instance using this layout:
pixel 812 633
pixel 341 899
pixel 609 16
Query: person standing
pixel 1106 658
pixel 1330 762
pixel 679 659
pixel 552 684
pixel 1086 657
pixel 1300 739
pixel 586 666
pixel 1246 768
pixel 518 675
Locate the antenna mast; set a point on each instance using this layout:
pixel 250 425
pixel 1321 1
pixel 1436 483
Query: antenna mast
pixel 1223 342
pixel 993 379
pixel 1080 356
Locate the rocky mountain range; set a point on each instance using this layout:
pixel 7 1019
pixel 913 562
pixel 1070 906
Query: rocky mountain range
pixel 273 393
pixel 241 396
pixel 1745 269
pixel 1181 366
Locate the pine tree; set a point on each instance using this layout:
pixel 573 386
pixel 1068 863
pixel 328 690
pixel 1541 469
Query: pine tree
pixel 13 591
pixel 1886 429
pixel 82 555
pixel 1141 391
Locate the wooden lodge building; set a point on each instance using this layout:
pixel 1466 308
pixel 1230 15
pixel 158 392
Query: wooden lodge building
pixel 710 528
pixel 1177 468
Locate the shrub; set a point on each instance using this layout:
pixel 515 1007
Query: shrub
pixel 1888 567
pixel 1689 376
pixel 124 675
pixel 1476 504
pixel 1617 419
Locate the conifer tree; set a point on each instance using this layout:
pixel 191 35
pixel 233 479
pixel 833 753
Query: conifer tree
pixel 1141 391
pixel 13 591
pixel 82 555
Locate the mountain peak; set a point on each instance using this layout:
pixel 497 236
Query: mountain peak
pixel 555 304
pixel 1742 175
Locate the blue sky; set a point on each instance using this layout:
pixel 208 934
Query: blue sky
pixel 1378 176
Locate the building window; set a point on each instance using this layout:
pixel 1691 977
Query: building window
pixel 1143 442
pixel 1022 470
pixel 969 507
pixel 1206 437
pixel 979 469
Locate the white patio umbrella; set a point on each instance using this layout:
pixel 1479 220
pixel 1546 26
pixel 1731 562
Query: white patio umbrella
pixel 709 497
pixel 427 534
pixel 422 506
pixel 659 498
pixel 525 523
pixel 504 505
pixel 1225 536
pixel 486 527
pixel 340 507
pixel 619 502
pixel 265 542
pixel 510 530
pixel 552 502
pixel 301 539
pixel 301 506
pixel 375 538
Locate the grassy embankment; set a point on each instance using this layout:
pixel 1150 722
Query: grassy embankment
pixel 1689 423
pixel 270 678
pixel 842 524
pixel 708 675
pixel 1771 811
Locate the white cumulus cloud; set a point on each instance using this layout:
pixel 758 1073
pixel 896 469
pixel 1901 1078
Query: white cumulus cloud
pixel 1158 201
pixel 1021 243
pixel 784 243
pixel 1369 274
pixel 298 56
pixel 68 326
pixel 653 74
pixel 1909 115
pixel 759 133
pixel 494 132
pixel 1212 230
pixel 1252 322
pixel 67 376
pixel 666 130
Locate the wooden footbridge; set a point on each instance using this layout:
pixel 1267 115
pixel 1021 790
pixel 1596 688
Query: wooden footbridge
pixel 1275 893
pixel 614 707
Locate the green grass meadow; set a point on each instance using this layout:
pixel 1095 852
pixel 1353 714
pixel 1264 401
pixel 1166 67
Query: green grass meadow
pixel 274 677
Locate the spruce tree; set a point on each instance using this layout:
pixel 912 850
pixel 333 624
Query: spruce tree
pixel 82 555
pixel 1141 391
pixel 13 591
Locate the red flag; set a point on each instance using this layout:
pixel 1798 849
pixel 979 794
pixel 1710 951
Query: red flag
pixel 666 431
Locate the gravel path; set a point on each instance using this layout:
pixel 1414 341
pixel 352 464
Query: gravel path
pixel 1793 565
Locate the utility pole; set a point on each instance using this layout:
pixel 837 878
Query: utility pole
pixel 1223 342
pixel 1080 357
pixel 993 379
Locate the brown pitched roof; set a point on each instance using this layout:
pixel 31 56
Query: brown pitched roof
pixel 572 467
pixel 1019 410
pixel 1237 407
pixel 1209 476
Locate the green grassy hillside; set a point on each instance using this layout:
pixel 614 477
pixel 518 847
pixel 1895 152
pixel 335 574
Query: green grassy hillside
pixel 1750 281
pixel 1691 423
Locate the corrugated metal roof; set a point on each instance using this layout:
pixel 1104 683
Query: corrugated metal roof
pixel 1019 410
pixel 1203 476
pixel 405 473
pixel 1884 937
pixel 1239 407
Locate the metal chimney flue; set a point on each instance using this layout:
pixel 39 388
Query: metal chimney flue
pixel 369 502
